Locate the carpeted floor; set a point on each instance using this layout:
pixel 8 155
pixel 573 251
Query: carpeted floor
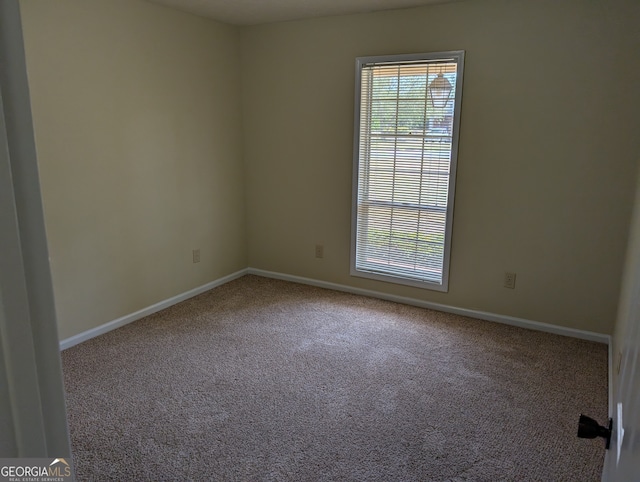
pixel 265 380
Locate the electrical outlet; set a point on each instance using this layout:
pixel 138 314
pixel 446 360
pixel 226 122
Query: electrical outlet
pixel 319 251
pixel 196 255
pixel 510 280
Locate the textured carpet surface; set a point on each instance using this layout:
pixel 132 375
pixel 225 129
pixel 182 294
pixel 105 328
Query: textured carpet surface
pixel 267 380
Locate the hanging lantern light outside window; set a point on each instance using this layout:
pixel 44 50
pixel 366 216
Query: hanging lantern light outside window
pixel 440 90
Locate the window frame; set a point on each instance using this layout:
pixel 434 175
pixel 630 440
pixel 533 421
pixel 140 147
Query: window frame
pixel 361 62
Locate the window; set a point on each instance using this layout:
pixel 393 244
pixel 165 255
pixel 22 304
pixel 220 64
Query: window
pixel 405 148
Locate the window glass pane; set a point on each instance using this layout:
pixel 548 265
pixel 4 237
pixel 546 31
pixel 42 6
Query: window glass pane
pixel 405 168
pixel 411 116
pixel 384 116
pixel 413 83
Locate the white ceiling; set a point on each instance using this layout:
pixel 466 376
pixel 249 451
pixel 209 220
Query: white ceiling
pixel 252 12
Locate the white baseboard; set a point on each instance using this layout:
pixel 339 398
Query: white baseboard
pixel 482 315
pixel 149 310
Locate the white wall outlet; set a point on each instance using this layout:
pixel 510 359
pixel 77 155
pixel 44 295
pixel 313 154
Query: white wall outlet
pixel 319 251
pixel 510 280
pixel 196 255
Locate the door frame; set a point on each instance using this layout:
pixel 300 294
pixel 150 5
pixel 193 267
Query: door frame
pixel 33 413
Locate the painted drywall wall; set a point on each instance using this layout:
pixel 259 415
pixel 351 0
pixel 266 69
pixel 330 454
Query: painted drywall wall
pixel 547 154
pixel 137 122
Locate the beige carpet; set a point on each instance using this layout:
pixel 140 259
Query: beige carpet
pixel 264 380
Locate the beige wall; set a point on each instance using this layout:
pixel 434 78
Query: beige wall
pixel 548 146
pixel 140 138
pixel 137 121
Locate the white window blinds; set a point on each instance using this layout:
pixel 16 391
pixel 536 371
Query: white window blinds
pixel 407 117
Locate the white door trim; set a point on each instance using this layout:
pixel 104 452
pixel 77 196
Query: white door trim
pixel 29 351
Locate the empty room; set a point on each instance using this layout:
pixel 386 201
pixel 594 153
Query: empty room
pixel 321 240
